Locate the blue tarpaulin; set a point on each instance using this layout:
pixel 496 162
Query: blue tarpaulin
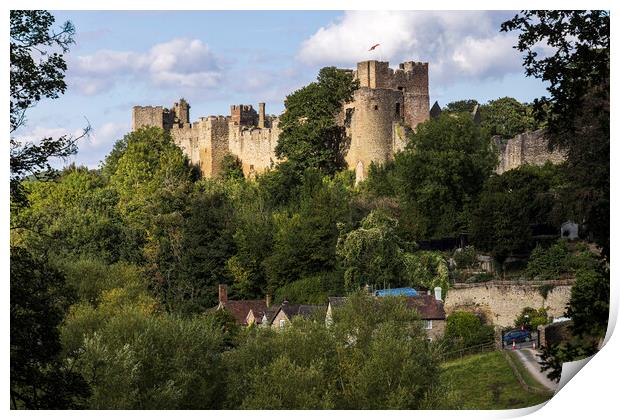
pixel 401 291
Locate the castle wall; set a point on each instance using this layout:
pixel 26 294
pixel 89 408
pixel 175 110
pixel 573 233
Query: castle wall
pixel 387 104
pixel 527 148
pixel 147 116
pixel 416 109
pixel 254 147
pixel 502 302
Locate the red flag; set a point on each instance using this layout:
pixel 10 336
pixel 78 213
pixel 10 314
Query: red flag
pixel 373 47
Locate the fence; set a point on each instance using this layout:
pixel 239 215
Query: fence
pixel 478 348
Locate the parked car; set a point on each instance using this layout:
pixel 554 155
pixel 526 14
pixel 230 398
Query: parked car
pixel 518 336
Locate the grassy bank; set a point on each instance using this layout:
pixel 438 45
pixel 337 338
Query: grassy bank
pixel 486 382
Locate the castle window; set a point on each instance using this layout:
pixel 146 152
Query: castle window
pixel 401 88
pixel 376 107
pixel 397 110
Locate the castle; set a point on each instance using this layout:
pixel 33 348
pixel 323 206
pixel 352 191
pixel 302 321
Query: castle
pixel 387 104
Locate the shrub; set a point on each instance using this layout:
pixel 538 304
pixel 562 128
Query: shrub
pixel 313 289
pixel 531 318
pixel 465 257
pixel 465 329
pixel 480 278
pixel 545 264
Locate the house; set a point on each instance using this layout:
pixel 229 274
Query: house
pixel 429 307
pixel 245 312
pixel 286 312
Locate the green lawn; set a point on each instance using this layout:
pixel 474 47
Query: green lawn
pixel 486 381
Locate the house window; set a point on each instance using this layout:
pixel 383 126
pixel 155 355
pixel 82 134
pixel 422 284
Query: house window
pixel 282 322
pixel 428 324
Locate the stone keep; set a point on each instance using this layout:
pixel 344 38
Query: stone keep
pixel 387 105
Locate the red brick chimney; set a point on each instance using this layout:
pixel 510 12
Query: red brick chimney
pixel 223 293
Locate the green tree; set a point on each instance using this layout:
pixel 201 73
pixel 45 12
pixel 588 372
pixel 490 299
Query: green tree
pixel 40 377
pixel 383 358
pixel 576 113
pixel 506 117
pixel 74 215
pixel 371 254
pixel 310 136
pixel 231 168
pixel 509 204
pixel 464 105
pixel 304 238
pixel 441 172
pixel 37 71
pixel 588 306
pixel 465 329
pixel 531 318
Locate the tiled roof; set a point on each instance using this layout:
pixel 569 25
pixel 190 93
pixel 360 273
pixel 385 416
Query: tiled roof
pixel 301 310
pixel 240 308
pixel 426 305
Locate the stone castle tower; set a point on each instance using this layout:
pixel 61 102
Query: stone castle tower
pixel 387 105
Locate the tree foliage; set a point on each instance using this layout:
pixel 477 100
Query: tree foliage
pixel 509 204
pixel 310 136
pixel 37 71
pixel 441 171
pixel 465 329
pixel 576 113
pixel 506 117
pixel 40 378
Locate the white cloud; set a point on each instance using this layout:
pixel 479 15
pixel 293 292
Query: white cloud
pixel 179 62
pixel 456 44
pixel 108 134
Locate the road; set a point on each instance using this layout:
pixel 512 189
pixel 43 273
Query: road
pixel 531 361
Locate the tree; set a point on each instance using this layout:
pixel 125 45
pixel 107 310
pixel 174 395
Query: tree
pixel 73 215
pixel 310 136
pixel 231 168
pixel 371 254
pixel 465 329
pixel 464 105
pixel 588 306
pixel 509 204
pixel 40 378
pixel 576 114
pixel 531 318
pixel 304 237
pixel 37 71
pixel 507 117
pixel 383 357
pixel 440 173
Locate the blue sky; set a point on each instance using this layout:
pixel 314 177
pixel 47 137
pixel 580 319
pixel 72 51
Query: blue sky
pixel 215 59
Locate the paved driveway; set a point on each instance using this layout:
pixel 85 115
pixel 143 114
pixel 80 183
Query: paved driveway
pixel 531 361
